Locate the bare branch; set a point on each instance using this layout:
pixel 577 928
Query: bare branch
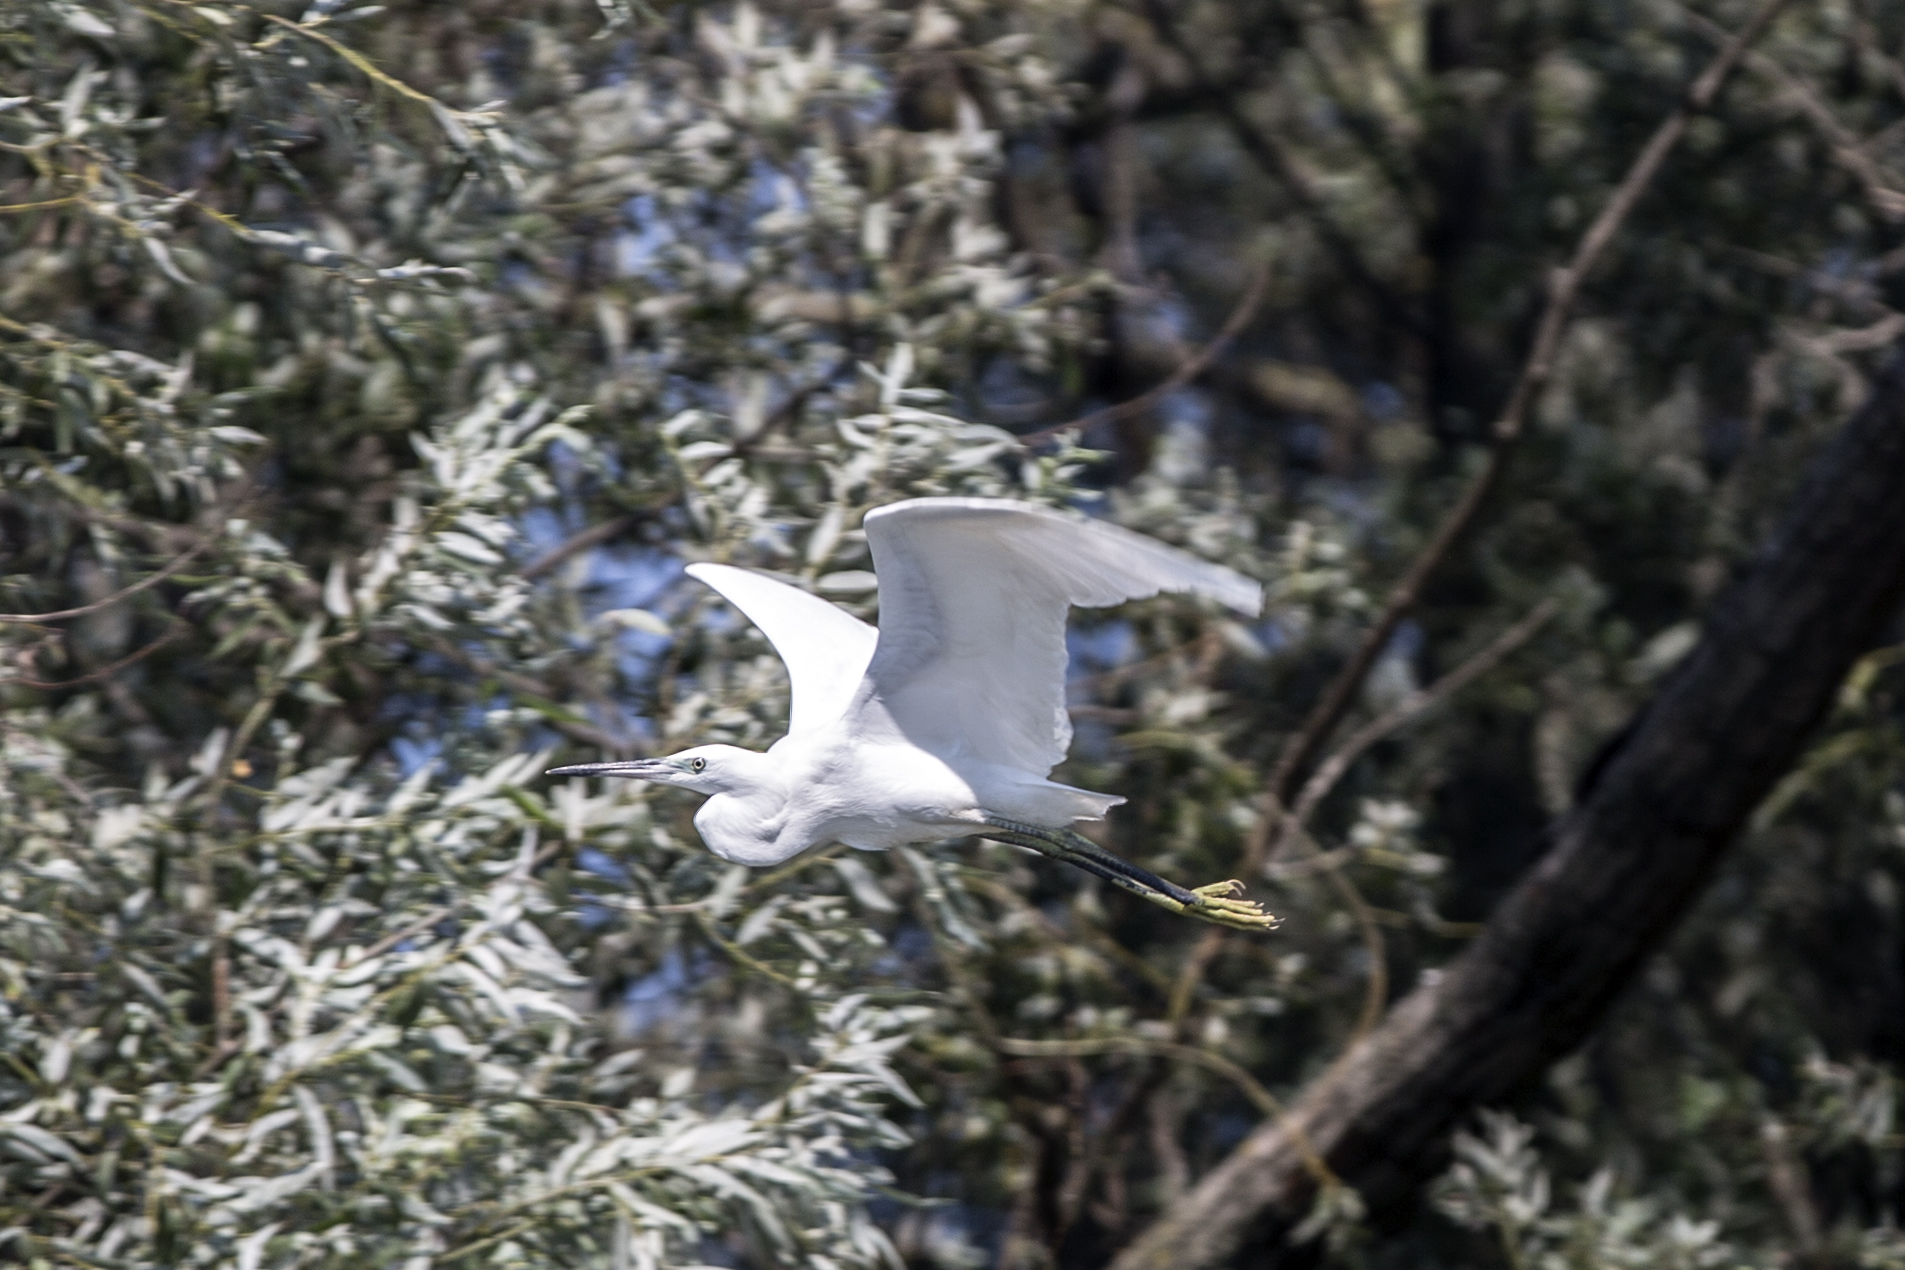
pixel 1283 169
pixel 1412 707
pixel 1303 747
pixel 171 567
pixel 104 672
pixel 417 927
pixel 528 685
pixel 1189 370
pixel 594 536
pixel 1847 150
pixel 1625 864
pixel 1251 1088
pixel 1331 770
pixel 1292 825
pixel 1564 286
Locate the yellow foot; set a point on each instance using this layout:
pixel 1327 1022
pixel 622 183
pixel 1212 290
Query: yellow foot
pixel 1221 905
pixel 1218 903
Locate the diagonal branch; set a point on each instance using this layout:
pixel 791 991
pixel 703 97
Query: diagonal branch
pixel 1283 169
pixel 1414 705
pixel 594 536
pixel 530 686
pixel 1303 747
pixel 1262 1099
pixel 1376 990
pixel 1847 150
pixel 1564 285
pixel 171 567
pixel 103 673
pixel 1625 865
pixel 1188 370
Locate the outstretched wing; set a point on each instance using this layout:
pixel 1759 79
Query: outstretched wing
pixel 973 599
pixel 826 648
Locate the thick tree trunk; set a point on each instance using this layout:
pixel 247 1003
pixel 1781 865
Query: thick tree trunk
pixel 1625 865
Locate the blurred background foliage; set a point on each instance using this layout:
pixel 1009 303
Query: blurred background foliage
pixel 368 373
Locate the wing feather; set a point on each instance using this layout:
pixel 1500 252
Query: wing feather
pixel 973 599
pixel 826 649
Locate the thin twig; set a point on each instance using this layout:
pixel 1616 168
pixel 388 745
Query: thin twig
pixel 104 672
pixel 1564 287
pixel 1847 149
pixel 11 208
pixel 1283 169
pixel 1417 703
pixel 370 70
pixel 593 536
pixel 443 913
pixel 1857 292
pixel 548 853
pixel 1118 186
pixel 528 685
pixel 222 993
pixel 949 957
pixel 737 954
pixel 763 882
pixel 1289 824
pixel 1188 370
pixel 1376 987
pixel 797 400
pixel 1261 1098
pixel 162 534
pixel 1011 898
pixel 1332 769
pixel 768 879
pixel 1118 675
pixel 457 1254
pixel 206 539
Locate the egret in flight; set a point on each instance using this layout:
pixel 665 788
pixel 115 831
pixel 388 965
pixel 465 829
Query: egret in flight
pixel 947 719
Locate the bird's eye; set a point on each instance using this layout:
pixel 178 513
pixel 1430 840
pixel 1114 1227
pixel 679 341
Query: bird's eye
pixel 697 764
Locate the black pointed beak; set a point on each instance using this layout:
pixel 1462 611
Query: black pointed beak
pixel 640 769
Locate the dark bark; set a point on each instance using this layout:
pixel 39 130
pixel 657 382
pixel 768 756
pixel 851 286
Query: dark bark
pixel 1625 865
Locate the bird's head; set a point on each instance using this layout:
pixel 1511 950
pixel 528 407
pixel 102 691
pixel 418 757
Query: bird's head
pixel 706 769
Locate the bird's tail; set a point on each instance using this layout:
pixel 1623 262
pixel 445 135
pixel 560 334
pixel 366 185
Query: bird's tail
pixel 1050 803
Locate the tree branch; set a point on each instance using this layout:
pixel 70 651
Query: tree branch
pixel 1564 285
pixel 1262 1099
pixel 1625 866
pixel 594 536
pixel 1847 150
pixel 530 686
pixel 171 567
pixel 1308 741
pixel 104 672
pixel 1332 769
pixel 1292 824
pixel 1281 168
pixel 1187 371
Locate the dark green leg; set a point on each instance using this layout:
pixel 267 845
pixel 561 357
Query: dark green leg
pixel 1216 903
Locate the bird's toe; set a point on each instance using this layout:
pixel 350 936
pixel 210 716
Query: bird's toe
pixel 1218 903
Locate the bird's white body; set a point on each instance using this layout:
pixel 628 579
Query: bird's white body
pixel 949 716
pixel 827 786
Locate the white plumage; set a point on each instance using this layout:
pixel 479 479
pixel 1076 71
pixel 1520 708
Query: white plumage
pixel 947 719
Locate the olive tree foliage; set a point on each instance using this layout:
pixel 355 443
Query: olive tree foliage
pixel 1458 160
pixel 288 380
pixel 1500 1184
pixel 312 352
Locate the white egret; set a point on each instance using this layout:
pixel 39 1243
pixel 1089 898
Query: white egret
pixel 947 719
